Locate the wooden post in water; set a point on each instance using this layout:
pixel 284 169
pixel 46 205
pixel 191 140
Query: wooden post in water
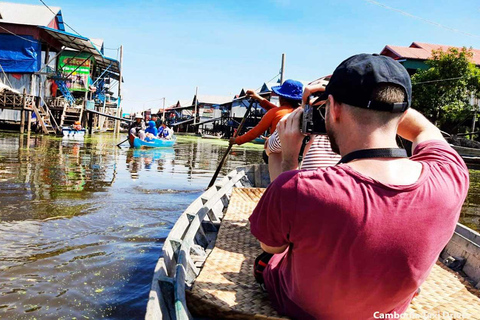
pixel 117 123
pixel 90 122
pixel 196 106
pixel 29 123
pixel 22 114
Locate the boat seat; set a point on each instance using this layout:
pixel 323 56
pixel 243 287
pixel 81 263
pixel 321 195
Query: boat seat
pixel 226 288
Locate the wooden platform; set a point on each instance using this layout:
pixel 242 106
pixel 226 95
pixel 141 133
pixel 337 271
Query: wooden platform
pixel 14 101
pixel 226 288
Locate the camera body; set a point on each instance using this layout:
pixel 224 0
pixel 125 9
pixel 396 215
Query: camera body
pixel 313 121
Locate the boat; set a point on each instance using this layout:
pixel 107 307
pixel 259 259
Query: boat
pixel 211 136
pixel 206 271
pixel 471 156
pixel 71 133
pixel 259 140
pixel 156 143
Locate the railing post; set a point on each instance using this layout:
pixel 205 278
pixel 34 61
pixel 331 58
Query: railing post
pixel 22 115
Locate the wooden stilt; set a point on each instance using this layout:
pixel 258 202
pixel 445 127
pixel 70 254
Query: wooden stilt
pixel 90 122
pixel 22 115
pixel 29 123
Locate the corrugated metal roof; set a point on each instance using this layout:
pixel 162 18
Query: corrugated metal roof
pixel 202 98
pixel 184 103
pixel 26 14
pixel 98 43
pixel 267 86
pixel 421 51
pixel 83 44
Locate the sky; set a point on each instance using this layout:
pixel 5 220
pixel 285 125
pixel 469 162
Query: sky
pixel 172 47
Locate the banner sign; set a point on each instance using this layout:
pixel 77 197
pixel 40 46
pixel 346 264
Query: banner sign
pixel 78 63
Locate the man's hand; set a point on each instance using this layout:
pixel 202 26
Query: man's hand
pixel 309 90
pixel 291 139
pixel 232 140
pixel 252 94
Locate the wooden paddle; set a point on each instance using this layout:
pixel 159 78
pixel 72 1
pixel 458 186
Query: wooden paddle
pixel 118 145
pixel 240 126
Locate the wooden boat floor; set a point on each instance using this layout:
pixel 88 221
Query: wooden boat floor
pixel 226 288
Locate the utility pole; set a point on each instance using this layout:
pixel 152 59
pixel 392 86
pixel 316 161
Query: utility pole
pixel 196 106
pixel 117 123
pixel 282 70
pixel 163 116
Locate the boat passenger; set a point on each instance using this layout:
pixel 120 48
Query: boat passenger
pixel 137 128
pixel 151 132
pixel 77 126
pixel 290 93
pixel 290 97
pixel 158 121
pixel 357 240
pixel 318 153
pixel 165 132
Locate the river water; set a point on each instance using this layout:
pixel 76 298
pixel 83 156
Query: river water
pixel 82 223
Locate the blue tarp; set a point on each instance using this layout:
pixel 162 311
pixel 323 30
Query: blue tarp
pixel 19 55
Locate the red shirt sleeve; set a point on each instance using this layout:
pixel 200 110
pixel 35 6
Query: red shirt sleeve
pixel 438 151
pixel 272 220
pixel 260 128
pixel 443 158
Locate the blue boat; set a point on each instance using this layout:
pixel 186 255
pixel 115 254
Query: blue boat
pixel 156 143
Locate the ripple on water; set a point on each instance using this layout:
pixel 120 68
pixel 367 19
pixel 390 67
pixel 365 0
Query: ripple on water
pixel 82 223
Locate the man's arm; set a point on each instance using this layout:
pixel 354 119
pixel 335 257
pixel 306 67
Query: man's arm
pixel 416 128
pixel 273 250
pixel 261 127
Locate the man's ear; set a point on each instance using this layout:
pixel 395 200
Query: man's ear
pixel 335 108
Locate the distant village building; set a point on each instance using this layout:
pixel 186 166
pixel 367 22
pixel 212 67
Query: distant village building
pixel 413 57
pixel 56 75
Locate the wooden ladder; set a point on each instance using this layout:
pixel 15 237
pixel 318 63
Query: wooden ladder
pixel 64 111
pixel 47 127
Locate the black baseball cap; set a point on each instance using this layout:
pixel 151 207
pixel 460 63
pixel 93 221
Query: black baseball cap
pixel 355 79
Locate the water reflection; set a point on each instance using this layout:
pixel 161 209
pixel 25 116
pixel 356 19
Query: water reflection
pixel 82 222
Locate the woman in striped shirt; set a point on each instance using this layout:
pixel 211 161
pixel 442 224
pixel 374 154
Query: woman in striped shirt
pixel 318 153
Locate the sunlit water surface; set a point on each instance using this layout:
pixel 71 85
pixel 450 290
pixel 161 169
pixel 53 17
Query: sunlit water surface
pixel 82 223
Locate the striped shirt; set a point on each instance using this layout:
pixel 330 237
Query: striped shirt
pixel 320 154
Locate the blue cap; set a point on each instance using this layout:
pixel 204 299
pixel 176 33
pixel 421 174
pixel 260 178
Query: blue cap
pixel 290 89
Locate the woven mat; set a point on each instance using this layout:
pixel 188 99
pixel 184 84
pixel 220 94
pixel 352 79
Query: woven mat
pixel 226 289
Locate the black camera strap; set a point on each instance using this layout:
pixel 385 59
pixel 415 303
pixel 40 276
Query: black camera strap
pixel 305 141
pixel 374 153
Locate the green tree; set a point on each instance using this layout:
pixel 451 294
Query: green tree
pixel 443 92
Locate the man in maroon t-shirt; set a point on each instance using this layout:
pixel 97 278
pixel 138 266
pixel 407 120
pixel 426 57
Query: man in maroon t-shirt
pixel 356 241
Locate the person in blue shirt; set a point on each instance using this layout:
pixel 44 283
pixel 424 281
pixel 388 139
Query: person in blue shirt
pixel 165 132
pixel 151 132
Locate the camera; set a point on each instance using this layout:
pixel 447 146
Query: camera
pixel 313 121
